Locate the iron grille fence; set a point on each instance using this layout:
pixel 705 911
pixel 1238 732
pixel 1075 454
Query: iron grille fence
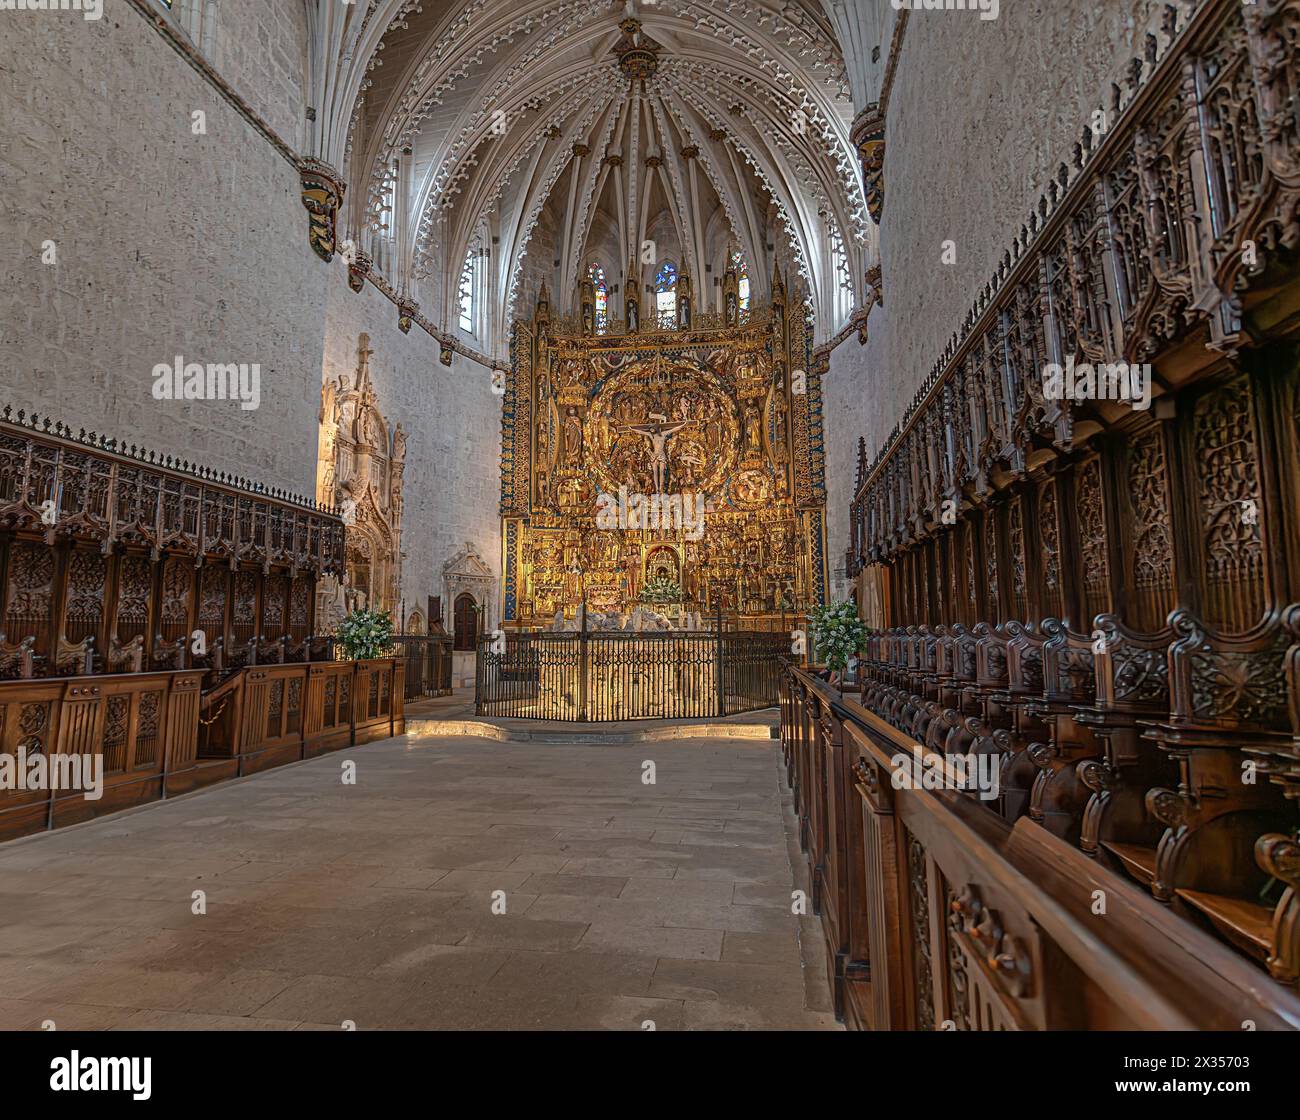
pixel 428 663
pixel 606 677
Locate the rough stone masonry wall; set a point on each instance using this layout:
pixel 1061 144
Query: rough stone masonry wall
pixel 539 265
pixel 261 50
pixel 846 415
pixel 168 243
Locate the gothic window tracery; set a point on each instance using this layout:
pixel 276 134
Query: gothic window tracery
pixel 466 290
pixel 742 280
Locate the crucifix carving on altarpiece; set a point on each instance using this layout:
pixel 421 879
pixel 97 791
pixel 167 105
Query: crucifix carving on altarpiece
pixel 658 435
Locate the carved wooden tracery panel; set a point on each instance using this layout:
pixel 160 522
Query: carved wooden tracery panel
pixel 1019 575
pixel 918 879
pixel 100 543
pixel 1049 550
pixel 1094 554
pixel 134 593
pixel 1231 506
pixel 1168 232
pixel 30 596
pixel 1152 546
pixel 84 610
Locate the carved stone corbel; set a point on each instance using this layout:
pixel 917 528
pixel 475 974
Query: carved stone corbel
pixel 868 137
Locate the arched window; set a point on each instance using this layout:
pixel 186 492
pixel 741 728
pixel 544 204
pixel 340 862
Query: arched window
pixel 597 275
pixel 742 280
pixel 197 18
pixel 466 622
pixel 666 295
pixel 465 292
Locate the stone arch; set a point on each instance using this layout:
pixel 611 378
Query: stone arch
pixel 467 571
pixel 465 622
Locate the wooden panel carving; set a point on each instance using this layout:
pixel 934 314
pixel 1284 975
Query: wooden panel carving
pixel 918 883
pixel 100 542
pixel 1230 506
pixel 1152 540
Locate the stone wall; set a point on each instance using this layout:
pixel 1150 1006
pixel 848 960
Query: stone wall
pixel 261 50
pixel 451 489
pixel 847 407
pixel 538 266
pixel 166 243
pixel 981 115
pixel 170 243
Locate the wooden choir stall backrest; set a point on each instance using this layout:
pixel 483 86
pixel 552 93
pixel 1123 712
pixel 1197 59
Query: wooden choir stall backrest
pixel 157 734
pixel 1110 623
pixel 114 559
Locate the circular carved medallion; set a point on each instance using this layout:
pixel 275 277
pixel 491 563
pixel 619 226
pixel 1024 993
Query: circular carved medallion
pixel 669 414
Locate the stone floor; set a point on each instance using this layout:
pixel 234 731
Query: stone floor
pixel 376 904
pixel 456 705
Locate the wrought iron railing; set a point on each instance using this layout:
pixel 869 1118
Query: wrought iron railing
pixel 605 677
pixel 428 663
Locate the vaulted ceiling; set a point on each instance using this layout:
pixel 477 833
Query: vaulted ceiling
pixel 549 133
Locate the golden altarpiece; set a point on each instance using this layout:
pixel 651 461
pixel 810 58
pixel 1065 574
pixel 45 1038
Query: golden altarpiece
pixel 360 466
pixel 722 406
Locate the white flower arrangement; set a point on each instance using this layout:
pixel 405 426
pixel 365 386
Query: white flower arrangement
pixel 366 634
pixel 837 634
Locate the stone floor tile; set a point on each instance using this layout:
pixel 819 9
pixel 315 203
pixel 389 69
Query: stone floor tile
pixel 627 907
pixel 581 886
pixel 664 942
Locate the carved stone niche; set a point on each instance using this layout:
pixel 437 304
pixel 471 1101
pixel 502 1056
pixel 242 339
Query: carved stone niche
pixel 361 461
pixel 467 571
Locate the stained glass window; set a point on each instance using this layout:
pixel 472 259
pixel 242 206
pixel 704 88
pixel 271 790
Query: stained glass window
pixel 597 275
pixel 742 280
pixel 666 294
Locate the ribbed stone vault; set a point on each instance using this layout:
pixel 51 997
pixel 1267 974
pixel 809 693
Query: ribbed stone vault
pixel 545 134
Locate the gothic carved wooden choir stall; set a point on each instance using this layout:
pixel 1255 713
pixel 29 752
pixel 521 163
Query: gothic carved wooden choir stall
pixel 162 616
pixel 113 557
pixel 1094 602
